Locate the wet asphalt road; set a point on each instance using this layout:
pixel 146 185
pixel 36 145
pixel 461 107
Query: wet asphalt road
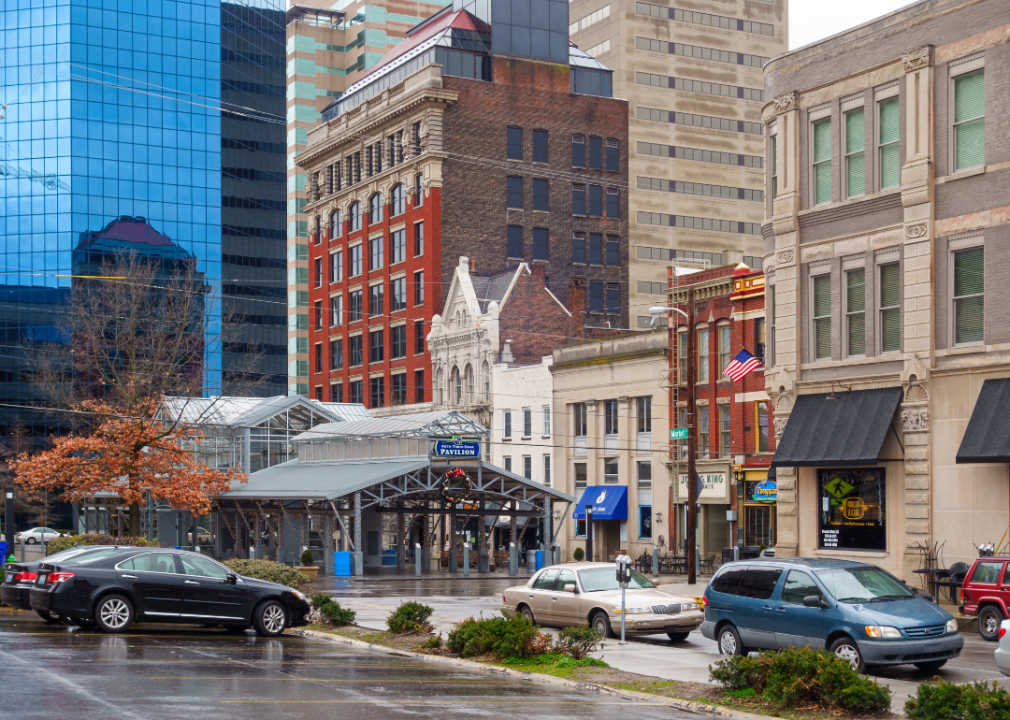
pixel 168 672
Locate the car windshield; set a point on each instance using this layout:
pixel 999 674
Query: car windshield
pixel 863 585
pixel 599 579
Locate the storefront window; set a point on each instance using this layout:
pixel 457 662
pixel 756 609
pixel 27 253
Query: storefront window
pixel 759 513
pixel 645 522
pixel 580 528
pixel 852 512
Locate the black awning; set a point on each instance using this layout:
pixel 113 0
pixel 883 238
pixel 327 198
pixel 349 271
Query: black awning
pixel 987 438
pixel 847 430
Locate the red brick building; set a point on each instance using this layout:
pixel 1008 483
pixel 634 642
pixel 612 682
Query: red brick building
pixel 440 153
pixel 735 437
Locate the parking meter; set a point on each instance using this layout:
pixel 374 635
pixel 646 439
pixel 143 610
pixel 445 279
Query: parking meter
pixel 623 578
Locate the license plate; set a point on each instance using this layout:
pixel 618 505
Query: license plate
pixel 11 576
pixel 42 579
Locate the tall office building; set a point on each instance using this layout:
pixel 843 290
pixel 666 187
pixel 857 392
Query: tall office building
pixel 330 46
pixel 694 87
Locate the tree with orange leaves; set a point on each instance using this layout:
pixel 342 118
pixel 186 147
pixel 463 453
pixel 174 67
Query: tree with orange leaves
pixel 129 456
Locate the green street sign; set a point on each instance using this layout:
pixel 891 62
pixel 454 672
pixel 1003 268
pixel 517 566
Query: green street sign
pixel 678 433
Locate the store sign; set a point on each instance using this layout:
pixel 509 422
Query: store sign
pixel 713 487
pixel 456 448
pixel 764 491
pixel 852 513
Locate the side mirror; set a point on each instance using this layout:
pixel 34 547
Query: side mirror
pixel 232 578
pixel 570 588
pixel 814 601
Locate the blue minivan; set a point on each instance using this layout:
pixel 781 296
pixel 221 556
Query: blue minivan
pixel 859 612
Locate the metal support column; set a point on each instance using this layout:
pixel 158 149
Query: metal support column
pixel 453 544
pixel 359 557
pixel 483 564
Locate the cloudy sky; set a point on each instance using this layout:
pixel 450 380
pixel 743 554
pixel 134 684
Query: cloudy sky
pixel 813 20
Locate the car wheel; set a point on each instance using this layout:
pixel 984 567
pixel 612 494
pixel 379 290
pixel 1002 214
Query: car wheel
pixel 30 541
pixel 846 649
pixel 931 666
pixel 730 642
pixel 528 614
pixel 113 614
pixel 601 624
pixel 49 618
pixel 989 620
pixel 678 637
pixel 270 619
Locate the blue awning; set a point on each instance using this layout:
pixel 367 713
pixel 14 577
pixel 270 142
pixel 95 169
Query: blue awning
pixel 610 502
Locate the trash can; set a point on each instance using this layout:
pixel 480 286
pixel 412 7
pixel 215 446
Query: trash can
pixel 389 557
pixel 540 559
pixel 342 564
pixel 4 547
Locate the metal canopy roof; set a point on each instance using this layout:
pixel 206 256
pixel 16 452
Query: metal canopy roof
pixel 444 423
pixel 251 411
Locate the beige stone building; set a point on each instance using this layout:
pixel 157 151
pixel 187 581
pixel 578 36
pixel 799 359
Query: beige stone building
pixel 693 82
pixel 887 229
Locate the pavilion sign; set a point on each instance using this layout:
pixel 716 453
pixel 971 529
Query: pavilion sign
pixel 456 447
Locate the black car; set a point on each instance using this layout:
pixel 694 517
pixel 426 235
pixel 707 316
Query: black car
pixel 19 577
pixel 155 585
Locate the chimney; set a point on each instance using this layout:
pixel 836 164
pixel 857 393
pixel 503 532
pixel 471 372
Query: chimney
pixel 577 304
pixel 473 266
pixel 506 353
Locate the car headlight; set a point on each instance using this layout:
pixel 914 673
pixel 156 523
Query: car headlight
pixel 882 631
pixel 631 610
pixel 689 606
pixel 952 625
pixel 298 594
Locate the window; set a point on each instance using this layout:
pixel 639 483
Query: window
pixel 539 194
pixel 613 203
pixel 595 249
pixel 822 317
pixel 528 467
pixel 613 155
pixel 318 308
pixel 355 252
pixel 355 392
pixel 355 217
pixel 855 311
pixel 376 300
pixel 595 296
pixel 682 358
pixel 398 392
pixel 595 201
pixel 418 239
pixel 578 199
pixel 319 358
pixel 890 159
pixel 540 243
pixel 376 346
pixel 506 417
pixel 822 161
pixel 398 287
pixel 987 573
pixel 759 339
pixel 527 423
pixel 841 489
pixel 469 385
pixel 419 337
pixel 336 354
pixel 775 165
pixel 419 386
pixel 613 251
pixel 336 224
pixel 613 298
pixel 578 151
pixel 398 201
pixel 703 431
pixel 855 157
pixel 969 120
pixel 890 307
pixel 595 153
pixel 725 431
pixel 337 310
pixel 797 587
pixel 761 408
pixel 376 253
pixel 356 352
pixel 418 190
pixel 318 267
pixel 579 417
pixel 515 143
pixel 515 241
pixel 337 266
pixel 610 471
pixel 337 393
pixel 507 463
pixel 725 347
pixel 547 469
pixel 969 296
pixel 579 248
pixel 610 416
pixel 354 306
pixel 375 209
pixel 515 192
pixel 419 288
pixel 581 479
pixel 546 415
pixel 378 392
pixel 540 146
pixel 702 355
pixel 645 414
pixel 644 483
pixel 486 374
pixel 398 246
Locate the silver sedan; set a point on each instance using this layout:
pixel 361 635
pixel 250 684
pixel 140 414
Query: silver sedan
pixel 1003 651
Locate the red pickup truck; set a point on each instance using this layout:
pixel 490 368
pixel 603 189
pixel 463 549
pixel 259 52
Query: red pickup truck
pixel 987 594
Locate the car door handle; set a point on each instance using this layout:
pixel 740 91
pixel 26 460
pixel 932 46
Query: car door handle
pixel 531 596
pixel 767 608
pixel 129 577
pixel 192 582
pixel 554 597
pixel 781 611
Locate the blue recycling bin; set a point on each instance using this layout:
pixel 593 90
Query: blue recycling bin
pixel 4 547
pixel 389 557
pixel 540 559
pixel 342 564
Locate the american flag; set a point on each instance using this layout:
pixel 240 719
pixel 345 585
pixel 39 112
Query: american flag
pixel 741 366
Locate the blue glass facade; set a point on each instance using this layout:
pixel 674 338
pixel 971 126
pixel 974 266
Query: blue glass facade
pixel 113 112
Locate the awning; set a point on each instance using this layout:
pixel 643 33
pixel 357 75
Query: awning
pixel 848 429
pixel 987 438
pixel 610 502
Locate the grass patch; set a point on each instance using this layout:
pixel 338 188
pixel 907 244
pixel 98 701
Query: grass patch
pixel 555 664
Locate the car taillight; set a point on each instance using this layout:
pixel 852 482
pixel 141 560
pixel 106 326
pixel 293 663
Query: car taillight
pixel 25 577
pixel 58 577
pixel 1002 632
pixel 503 599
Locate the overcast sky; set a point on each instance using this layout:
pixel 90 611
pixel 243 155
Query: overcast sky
pixel 813 20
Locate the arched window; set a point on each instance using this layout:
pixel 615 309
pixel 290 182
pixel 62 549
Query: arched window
pixel 355 216
pixel 469 384
pixel 375 209
pixel 336 224
pixel 440 389
pixel 457 387
pixel 398 201
pixel 487 382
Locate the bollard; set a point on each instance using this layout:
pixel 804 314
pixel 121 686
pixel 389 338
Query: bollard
pixel 655 560
pixel 359 564
pixel 417 559
pixel 466 559
pixel 557 554
pixel 531 561
pixel 513 560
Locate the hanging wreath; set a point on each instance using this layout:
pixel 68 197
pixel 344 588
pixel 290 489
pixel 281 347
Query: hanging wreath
pixel 456 474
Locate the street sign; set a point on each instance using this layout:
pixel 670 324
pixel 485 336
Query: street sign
pixel 456 447
pixel 678 433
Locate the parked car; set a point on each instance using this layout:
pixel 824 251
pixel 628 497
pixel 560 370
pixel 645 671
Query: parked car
pixel 581 593
pixel 986 591
pixel 155 585
pixel 36 535
pixel 1003 651
pixel 20 577
pixel 855 610
pixel 202 536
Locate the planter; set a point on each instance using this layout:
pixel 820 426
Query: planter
pixel 310 571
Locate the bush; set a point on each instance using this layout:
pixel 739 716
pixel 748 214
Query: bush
pixel 65 543
pixel 432 643
pixel 801 676
pixel 307 558
pixel 409 617
pixel 579 554
pixel 329 611
pixel 267 570
pixel 500 637
pixel 577 642
pixel 946 701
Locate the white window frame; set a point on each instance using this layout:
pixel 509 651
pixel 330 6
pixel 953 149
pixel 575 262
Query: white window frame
pixel 812 119
pixel 546 420
pixel 816 272
pixel 887 258
pixel 527 431
pixel 847 267
pixel 953 247
pixel 879 97
pixel 847 107
pixel 956 70
pixel 506 424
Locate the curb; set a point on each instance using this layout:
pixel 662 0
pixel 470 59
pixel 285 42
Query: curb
pixel 537 678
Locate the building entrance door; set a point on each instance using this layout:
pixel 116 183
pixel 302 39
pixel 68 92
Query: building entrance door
pixel 759 525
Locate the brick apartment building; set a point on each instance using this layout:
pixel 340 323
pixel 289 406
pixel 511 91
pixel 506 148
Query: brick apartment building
pixel 459 142
pixel 733 442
